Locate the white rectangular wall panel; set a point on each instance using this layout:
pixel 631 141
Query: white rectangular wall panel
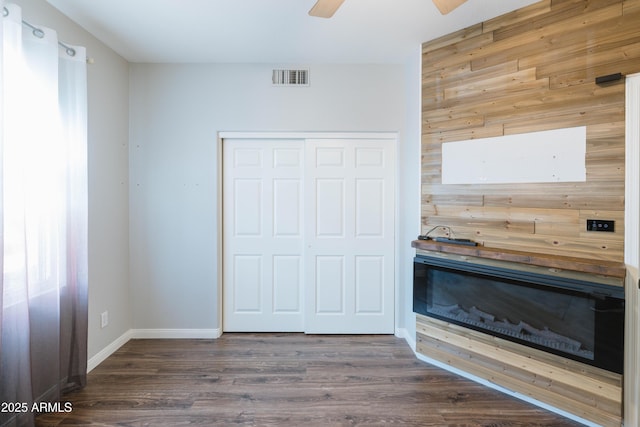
pixel 369 284
pixel 369 207
pixel 329 284
pixel 287 277
pixel 330 208
pixel 287 208
pixel 248 283
pixel 549 156
pixel 285 158
pixel 248 207
pixel 329 157
pixel 373 157
pixel 248 158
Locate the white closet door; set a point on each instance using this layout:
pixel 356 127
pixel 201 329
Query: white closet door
pixel 349 236
pixel 262 236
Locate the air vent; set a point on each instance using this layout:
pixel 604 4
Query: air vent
pixel 290 78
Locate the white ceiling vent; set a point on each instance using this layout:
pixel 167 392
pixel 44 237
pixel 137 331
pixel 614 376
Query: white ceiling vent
pixel 290 77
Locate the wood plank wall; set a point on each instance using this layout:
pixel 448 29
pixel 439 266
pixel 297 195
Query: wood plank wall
pixel 585 391
pixel 530 70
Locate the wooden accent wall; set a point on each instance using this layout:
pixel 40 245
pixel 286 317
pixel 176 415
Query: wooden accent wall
pixel 530 70
pixel 590 393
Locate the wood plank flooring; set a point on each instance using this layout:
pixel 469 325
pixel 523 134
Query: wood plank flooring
pixel 285 380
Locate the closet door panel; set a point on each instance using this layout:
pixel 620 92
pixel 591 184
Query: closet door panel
pixel 308 235
pixel 349 236
pixel 262 235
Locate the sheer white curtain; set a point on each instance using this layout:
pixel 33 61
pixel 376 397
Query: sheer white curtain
pixel 43 305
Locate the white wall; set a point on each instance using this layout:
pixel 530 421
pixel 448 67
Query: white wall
pixel 108 175
pixel 632 251
pixel 175 114
pixel 410 157
pixel 158 213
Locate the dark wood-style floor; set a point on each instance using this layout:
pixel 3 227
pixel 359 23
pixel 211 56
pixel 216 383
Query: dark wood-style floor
pixel 285 380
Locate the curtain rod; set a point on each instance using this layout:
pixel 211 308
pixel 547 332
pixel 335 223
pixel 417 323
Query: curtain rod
pixel 39 33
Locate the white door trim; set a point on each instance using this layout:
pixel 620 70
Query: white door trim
pixel 632 251
pixel 300 135
pixel 307 135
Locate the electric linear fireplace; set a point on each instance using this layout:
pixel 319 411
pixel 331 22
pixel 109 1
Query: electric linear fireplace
pixel 572 317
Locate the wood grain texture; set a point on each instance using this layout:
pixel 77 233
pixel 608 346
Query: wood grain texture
pixel 531 70
pixel 588 392
pixel 286 380
pixel 599 268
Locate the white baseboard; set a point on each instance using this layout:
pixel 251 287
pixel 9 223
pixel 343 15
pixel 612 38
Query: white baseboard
pixel 103 354
pixel 176 333
pixel 403 333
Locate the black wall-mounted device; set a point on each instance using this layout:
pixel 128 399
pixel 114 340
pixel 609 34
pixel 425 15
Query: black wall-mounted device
pixel 608 78
pixel 600 225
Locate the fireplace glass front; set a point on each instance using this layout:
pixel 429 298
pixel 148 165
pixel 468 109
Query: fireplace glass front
pixel 577 319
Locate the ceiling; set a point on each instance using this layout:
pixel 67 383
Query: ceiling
pixel 272 31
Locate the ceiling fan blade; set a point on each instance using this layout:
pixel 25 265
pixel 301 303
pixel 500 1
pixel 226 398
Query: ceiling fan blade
pixel 446 6
pixel 325 8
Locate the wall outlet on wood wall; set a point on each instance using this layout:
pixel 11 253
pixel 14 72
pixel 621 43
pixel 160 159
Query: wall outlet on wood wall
pixel 600 225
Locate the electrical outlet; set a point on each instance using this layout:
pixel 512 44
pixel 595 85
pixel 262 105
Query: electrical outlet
pixel 600 225
pixel 104 319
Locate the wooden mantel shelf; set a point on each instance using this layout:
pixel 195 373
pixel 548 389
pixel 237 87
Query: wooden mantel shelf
pixel 584 265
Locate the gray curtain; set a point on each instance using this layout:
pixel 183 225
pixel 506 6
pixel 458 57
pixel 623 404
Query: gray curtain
pixel 43 292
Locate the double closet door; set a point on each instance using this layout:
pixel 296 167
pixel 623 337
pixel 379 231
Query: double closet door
pixel 308 235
